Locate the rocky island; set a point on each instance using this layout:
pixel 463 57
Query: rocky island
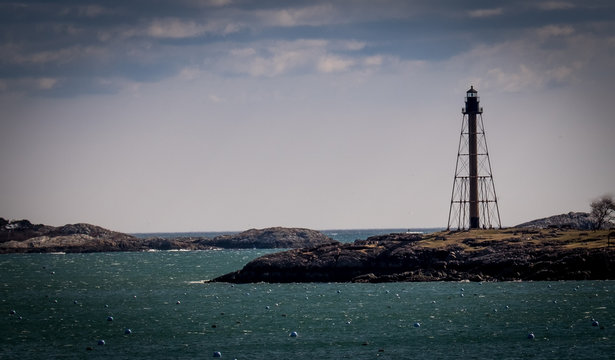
pixel 271 238
pixel 477 255
pixel 556 248
pixel 22 236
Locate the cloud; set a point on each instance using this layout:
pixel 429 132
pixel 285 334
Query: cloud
pixel 92 11
pixel 189 73
pixel 272 58
pixel 354 45
pixel 375 60
pixel 204 3
pixel 215 98
pixel 279 58
pixel 561 74
pixel 84 11
pixel 555 30
pixel 514 81
pixel 329 64
pixel 240 38
pixel 481 13
pixel 19 55
pixel 527 64
pixel 311 15
pixel 243 52
pixel 174 28
pixel 46 83
pixel 38 85
pixel 555 5
pixel 216 3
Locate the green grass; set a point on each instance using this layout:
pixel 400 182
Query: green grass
pixel 473 240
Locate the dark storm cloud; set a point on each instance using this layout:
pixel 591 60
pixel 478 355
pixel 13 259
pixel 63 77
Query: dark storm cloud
pixel 192 114
pixel 71 41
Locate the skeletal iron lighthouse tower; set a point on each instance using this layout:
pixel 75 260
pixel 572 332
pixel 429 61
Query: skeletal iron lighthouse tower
pixel 474 203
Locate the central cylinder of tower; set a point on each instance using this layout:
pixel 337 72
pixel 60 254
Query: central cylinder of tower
pixel 473 153
pixel 472 108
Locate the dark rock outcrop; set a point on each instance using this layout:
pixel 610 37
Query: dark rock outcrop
pixel 270 238
pixel 571 220
pixel 387 259
pixel 22 236
pixel 20 230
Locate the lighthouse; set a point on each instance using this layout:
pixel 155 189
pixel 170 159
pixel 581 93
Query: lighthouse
pixel 473 200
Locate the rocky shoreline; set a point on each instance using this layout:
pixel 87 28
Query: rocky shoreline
pixel 543 251
pixel 478 255
pixel 24 237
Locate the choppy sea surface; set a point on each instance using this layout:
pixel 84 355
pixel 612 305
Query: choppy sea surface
pixel 62 305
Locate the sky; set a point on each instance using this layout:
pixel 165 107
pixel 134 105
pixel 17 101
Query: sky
pixel 213 115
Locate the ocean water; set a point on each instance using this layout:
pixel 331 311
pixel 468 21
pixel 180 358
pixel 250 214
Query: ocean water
pixel 58 305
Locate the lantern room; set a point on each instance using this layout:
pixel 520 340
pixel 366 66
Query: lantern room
pixel 472 101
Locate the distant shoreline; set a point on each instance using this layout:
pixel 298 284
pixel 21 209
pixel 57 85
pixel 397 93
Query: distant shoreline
pixel 24 237
pixel 328 232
